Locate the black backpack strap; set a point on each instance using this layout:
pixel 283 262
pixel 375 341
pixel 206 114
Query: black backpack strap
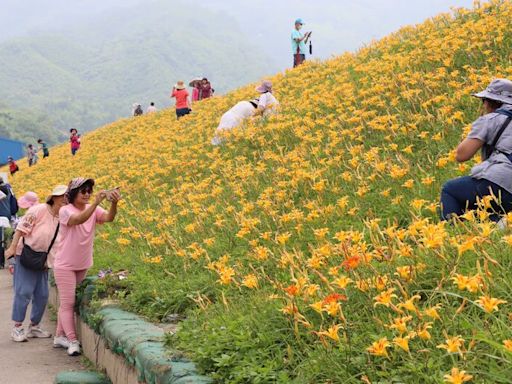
pixel 54 238
pixel 500 132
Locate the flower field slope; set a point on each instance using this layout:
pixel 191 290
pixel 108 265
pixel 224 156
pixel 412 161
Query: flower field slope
pixel 307 249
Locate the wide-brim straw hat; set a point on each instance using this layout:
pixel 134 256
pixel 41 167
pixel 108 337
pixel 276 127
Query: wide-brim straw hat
pixel 59 190
pixel 180 85
pixel 499 90
pixel 28 200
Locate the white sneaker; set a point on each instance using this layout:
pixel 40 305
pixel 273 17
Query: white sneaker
pixel 74 348
pixel 36 331
pixel 18 334
pixel 60 342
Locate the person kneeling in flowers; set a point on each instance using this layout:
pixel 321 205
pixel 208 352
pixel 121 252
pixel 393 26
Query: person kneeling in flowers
pixel 78 221
pixel 265 105
pixel 492 134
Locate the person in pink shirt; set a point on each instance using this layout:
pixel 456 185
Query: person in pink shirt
pixel 74 140
pixel 78 222
pixel 180 93
pixel 37 230
pixel 195 92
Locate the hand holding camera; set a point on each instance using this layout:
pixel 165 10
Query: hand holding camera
pixel 113 195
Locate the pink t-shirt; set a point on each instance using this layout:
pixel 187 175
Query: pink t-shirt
pixel 38 227
pixel 76 241
pixel 195 94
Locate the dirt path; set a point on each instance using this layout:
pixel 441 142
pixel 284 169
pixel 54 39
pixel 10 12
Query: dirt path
pixel 33 362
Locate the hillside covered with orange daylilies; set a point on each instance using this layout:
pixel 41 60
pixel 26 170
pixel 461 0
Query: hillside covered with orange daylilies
pixel 307 248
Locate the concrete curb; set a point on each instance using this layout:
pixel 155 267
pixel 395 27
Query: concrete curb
pixel 97 351
pixel 130 350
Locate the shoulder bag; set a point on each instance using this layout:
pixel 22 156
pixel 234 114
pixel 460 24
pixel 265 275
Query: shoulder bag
pixel 33 260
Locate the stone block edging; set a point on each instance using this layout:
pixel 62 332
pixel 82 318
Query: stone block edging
pixel 131 350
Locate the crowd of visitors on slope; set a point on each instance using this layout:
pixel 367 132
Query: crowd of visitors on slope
pixel 201 90
pixel 32 151
pixel 58 235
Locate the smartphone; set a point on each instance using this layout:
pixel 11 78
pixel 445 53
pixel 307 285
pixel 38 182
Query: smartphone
pixel 109 192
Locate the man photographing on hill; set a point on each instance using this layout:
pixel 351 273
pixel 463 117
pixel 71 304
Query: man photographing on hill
pixel 299 41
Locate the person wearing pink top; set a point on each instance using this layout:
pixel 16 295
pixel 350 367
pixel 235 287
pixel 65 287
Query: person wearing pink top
pixel 37 230
pixel 195 92
pixel 74 139
pixel 78 222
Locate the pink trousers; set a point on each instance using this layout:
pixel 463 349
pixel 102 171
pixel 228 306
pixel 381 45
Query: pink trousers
pixel 66 284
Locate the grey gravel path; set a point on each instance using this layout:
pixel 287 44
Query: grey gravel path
pixel 32 362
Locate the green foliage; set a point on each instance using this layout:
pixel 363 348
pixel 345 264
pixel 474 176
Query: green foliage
pixel 88 76
pixel 244 346
pixel 28 126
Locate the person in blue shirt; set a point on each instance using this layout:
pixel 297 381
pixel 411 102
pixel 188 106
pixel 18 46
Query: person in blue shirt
pixel 299 41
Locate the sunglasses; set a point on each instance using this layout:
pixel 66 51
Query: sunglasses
pixel 86 191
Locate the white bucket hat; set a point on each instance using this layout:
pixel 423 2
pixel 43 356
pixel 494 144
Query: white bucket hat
pixel 59 190
pixel 499 90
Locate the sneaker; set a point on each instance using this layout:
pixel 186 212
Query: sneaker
pixel 35 331
pixel 60 342
pixel 18 334
pixel 74 348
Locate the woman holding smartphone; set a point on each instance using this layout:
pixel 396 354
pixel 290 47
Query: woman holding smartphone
pixel 78 221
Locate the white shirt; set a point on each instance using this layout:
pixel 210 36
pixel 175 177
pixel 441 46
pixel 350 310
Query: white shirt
pixel 268 103
pixel 151 109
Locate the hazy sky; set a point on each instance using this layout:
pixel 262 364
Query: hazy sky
pixel 337 25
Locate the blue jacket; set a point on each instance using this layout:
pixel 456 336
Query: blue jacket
pixel 6 203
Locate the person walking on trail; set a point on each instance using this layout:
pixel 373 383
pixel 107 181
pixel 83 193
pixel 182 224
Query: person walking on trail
pixel 32 247
pixel 44 148
pixel 180 93
pixel 74 140
pixel 74 256
pixel 31 155
pixel 13 167
pixel 299 41
pixel 265 105
pixel 492 134
pixel 151 109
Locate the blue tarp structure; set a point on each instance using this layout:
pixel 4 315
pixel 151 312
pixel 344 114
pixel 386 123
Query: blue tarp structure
pixel 13 148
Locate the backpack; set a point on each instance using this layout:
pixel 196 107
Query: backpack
pixel 14 204
pixel 138 111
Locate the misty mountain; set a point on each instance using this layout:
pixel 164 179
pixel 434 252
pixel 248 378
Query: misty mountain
pixel 19 18
pixel 89 75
